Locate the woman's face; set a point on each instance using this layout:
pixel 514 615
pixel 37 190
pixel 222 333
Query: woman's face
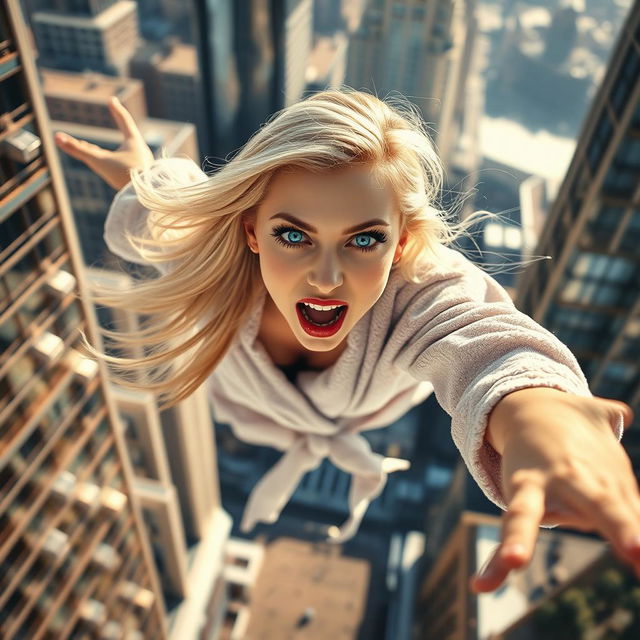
pixel 332 237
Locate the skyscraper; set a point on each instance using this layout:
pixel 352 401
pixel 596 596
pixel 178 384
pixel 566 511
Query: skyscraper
pixel 588 294
pixel 403 46
pixel 73 554
pixel 100 35
pixel 253 58
pixel 175 472
pixel 447 610
pixel 102 533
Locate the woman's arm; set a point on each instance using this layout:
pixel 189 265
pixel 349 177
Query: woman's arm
pixel 127 214
pixel 461 332
pixel 114 167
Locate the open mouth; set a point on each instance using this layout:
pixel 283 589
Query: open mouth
pixel 320 323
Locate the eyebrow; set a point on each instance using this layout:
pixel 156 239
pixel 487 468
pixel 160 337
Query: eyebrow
pixel 308 227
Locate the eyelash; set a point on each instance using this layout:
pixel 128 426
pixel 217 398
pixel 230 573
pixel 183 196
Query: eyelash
pixel 277 232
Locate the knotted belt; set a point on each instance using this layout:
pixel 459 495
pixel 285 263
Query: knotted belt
pixel 350 452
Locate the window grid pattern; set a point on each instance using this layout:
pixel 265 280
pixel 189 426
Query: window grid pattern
pixel 67 530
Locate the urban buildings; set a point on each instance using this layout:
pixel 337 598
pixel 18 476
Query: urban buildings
pixel 253 58
pixel 420 49
pixel 102 533
pixel 90 34
pixel 90 195
pixel 175 481
pixel 172 84
pixel 446 609
pixel 588 293
pixel 308 586
pixel 600 601
pixel 75 558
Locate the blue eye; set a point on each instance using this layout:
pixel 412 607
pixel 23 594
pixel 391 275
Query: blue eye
pixel 295 238
pixel 363 236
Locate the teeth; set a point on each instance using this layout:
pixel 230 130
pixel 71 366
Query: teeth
pixel 322 308
pixel 323 324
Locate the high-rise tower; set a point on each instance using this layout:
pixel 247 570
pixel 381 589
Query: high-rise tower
pixel 588 294
pixel 74 557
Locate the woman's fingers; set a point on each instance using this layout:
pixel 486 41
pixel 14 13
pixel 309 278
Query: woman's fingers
pixel 123 119
pixel 612 512
pixel 520 528
pixel 617 405
pixel 79 149
pixel 85 151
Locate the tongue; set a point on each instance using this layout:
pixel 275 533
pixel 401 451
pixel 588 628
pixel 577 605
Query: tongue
pixel 321 316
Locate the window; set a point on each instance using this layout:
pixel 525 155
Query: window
pixel 601 228
pixel 626 79
pixel 628 153
pixel 599 142
pixel 618 380
pixel 620 181
pixel 631 238
pixel 631 349
pixel 635 120
pixel 600 280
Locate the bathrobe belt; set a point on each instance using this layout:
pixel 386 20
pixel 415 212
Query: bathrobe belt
pixel 350 452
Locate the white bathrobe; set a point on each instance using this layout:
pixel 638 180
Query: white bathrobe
pixel 457 334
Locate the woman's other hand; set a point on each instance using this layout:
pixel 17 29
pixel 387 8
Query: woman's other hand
pixel 112 166
pixel 562 464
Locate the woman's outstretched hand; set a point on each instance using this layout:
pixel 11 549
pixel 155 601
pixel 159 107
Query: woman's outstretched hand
pixel 112 166
pixel 561 464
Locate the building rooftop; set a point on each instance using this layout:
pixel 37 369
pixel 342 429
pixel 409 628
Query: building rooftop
pixel 103 20
pixel 299 576
pixel 182 59
pixel 87 87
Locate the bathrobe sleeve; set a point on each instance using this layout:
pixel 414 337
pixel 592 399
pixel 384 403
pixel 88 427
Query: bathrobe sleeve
pixel 461 331
pixel 126 213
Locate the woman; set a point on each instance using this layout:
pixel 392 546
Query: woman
pixel 308 284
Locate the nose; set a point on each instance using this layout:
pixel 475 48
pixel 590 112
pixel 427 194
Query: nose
pixel 326 273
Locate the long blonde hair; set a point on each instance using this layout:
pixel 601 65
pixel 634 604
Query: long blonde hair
pixel 193 312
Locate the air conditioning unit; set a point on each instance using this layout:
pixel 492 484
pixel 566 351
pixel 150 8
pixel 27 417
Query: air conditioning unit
pixel 61 283
pixel 22 146
pixel 111 631
pixel 85 368
pixel 105 557
pixel 56 544
pixel 113 500
pixel 64 485
pixel 48 347
pixel 88 495
pixel 93 612
pixel 134 593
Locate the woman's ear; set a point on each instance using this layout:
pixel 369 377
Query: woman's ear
pixel 400 247
pixel 250 232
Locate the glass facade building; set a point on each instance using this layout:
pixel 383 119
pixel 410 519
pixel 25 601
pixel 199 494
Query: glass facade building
pixel 74 560
pixel 588 294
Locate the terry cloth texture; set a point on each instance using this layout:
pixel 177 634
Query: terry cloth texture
pixel 457 334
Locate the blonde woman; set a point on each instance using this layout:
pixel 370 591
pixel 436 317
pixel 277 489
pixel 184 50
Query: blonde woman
pixel 308 284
